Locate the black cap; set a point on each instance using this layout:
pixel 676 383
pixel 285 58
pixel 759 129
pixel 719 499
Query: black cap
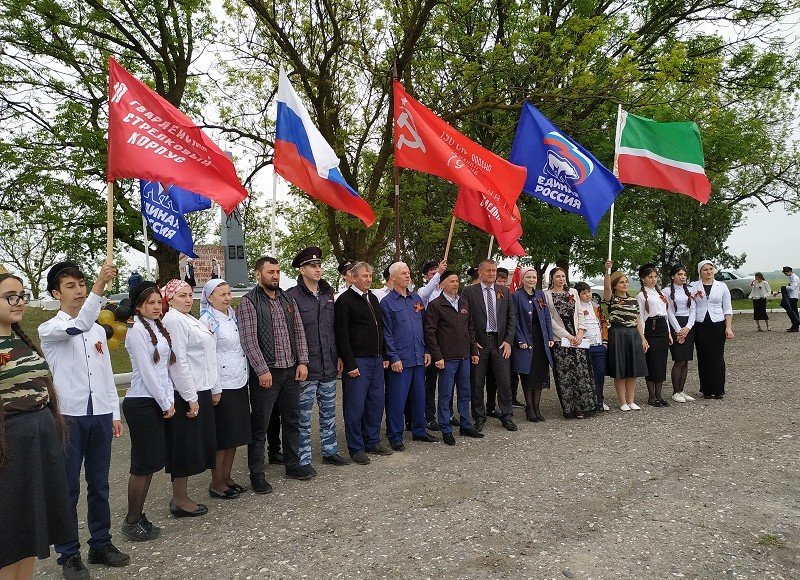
pixel 502 271
pixel 446 274
pixel 429 265
pixel 472 272
pixel 785 269
pixel 345 266
pixel 137 291
pixel 55 272
pixel 310 255
pixel 386 272
pixel 646 269
pixel 677 268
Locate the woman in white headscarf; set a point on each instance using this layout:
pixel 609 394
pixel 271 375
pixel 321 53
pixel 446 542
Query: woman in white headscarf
pixel 232 407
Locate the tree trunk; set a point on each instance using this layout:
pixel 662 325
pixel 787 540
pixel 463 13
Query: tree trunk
pixel 167 260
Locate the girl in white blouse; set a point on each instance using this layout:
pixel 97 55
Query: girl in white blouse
pixel 759 294
pixel 653 307
pixel 681 315
pixel 232 409
pixel 191 436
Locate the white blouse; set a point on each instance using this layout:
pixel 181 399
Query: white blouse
pixel 678 307
pixel 593 331
pixel 149 379
pixel 656 306
pixel 232 372
pixel 760 290
pixel 196 351
pixel 717 304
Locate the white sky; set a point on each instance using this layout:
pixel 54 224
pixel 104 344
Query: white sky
pixel 770 238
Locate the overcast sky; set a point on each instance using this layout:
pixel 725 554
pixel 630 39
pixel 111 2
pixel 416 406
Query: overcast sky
pixel 770 239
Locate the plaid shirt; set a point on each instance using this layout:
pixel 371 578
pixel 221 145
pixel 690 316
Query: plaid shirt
pixel 248 332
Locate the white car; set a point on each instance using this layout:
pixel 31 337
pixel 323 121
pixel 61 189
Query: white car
pixel 738 284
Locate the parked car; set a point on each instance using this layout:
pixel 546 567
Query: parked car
pixel 738 284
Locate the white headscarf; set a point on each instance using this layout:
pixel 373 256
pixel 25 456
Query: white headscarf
pixel 702 263
pixel 205 305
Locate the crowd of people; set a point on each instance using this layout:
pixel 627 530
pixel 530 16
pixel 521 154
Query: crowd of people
pixel 429 359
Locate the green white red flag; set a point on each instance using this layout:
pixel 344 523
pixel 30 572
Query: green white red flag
pixel 662 156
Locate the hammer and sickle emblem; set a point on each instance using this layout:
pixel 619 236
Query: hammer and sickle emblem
pixel 406 121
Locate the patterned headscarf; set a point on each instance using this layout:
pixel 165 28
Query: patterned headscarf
pixel 209 312
pixel 169 291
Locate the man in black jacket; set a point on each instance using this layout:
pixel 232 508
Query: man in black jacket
pixel 359 340
pixel 493 319
pixel 314 298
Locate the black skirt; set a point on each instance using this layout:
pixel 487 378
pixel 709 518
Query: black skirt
pixel 191 442
pixel 625 358
pixel 657 335
pixel 35 508
pixel 684 350
pixel 232 419
pixel 710 344
pixel 760 309
pixel 146 427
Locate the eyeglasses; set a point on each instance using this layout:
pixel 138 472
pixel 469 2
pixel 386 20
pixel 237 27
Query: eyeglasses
pixel 15 299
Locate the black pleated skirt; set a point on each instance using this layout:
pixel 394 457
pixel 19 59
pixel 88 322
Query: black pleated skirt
pixel 191 442
pixel 625 358
pixel 232 418
pixel 684 350
pixel 760 309
pixel 657 335
pixel 35 509
pixel 145 421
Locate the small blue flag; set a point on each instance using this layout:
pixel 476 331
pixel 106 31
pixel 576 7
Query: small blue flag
pixel 164 214
pixel 561 172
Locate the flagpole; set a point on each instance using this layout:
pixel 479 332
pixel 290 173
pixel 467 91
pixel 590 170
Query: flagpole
pixel 109 226
pixel 615 170
pixel 146 248
pixel 491 243
pixel 449 238
pixel 274 203
pixel 396 177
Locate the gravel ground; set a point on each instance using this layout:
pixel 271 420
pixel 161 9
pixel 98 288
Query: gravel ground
pixel 707 489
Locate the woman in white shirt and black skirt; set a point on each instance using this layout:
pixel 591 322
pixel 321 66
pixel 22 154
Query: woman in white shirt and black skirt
pixel 712 329
pixel 681 315
pixel 759 294
pixel 653 307
pixel 191 435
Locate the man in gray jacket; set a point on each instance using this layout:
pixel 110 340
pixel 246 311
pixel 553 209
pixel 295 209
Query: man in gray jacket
pixel 314 298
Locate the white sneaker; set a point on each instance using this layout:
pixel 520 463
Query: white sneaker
pixel 687 398
pixel 678 398
pixel 624 408
pixel 605 407
pixel 634 407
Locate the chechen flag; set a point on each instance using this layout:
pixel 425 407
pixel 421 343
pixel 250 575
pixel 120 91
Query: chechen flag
pixel 424 142
pixel 304 158
pixel 150 139
pixel 493 217
pixel 662 156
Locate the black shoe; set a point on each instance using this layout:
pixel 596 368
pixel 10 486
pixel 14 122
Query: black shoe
pixel 425 438
pixel 397 445
pixel 73 569
pixel 493 413
pixel 655 403
pixel 479 423
pixel 448 439
pixel 179 512
pixel 509 424
pixel 336 459
pixel 719 397
pixel 708 396
pixel 378 450
pixel 531 418
pixel 260 484
pixel 433 426
pixel 471 433
pixel 663 403
pixel 517 404
pixel 301 472
pixel 275 458
pixel 229 493
pixel 109 556
pixel 793 329
pixel 141 531
pixel 360 457
pixel 454 422
pixel 540 417
pixel 236 487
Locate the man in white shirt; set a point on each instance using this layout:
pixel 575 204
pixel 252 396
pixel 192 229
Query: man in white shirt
pixel 388 286
pixel 76 350
pixel 347 277
pixel 790 304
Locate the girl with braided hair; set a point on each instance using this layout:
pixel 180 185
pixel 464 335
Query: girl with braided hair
pixel 681 315
pixel 35 510
pixel 653 306
pixel 148 404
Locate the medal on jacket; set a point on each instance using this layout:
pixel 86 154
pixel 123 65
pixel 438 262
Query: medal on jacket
pixel 5 358
pixel 99 347
pixel 418 307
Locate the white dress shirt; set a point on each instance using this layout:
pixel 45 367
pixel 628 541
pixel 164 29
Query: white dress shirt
pixel 430 291
pixel 381 293
pixel 760 290
pixel 678 307
pixel 590 321
pixel 77 354
pixel 149 379
pixel 793 288
pixel 231 361
pixel 717 303
pixel 196 350
pixel 655 305
pixel 453 301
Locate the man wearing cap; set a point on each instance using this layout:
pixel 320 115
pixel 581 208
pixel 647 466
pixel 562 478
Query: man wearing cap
pixel 76 351
pixel 790 295
pixel 314 298
pixel 403 326
pixel 347 277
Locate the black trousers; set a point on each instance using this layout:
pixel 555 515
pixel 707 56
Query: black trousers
pixel 285 391
pixel 274 431
pixel 491 390
pixel 709 340
pixel 491 361
pixel 431 379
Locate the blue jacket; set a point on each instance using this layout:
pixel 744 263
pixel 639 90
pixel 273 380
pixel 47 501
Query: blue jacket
pixel 521 359
pixel 403 328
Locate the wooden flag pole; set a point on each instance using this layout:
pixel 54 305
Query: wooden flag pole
pixel 449 238
pixel 109 226
pixel 491 243
pixel 272 216
pixel 396 177
pixel 616 174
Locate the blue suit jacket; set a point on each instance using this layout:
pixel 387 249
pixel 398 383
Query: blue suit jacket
pixel 521 359
pixel 403 328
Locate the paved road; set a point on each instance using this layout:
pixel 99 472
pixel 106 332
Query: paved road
pixel 702 490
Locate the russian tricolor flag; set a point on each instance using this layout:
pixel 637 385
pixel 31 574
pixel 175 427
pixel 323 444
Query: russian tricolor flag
pixel 305 159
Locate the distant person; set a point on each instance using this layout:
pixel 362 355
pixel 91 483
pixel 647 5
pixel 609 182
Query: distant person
pixel 216 270
pixel 759 294
pixel 347 277
pixel 713 327
pixel 188 275
pixel 388 286
pixel 134 279
pixel 789 295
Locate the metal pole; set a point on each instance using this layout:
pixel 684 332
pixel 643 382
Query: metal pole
pixel 396 177
pixel 146 249
pixel 274 204
pixel 616 174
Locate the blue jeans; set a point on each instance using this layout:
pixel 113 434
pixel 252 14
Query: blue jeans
pixel 408 385
pixel 325 395
pixel 89 445
pixel 362 402
pixel 597 354
pixel 455 373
